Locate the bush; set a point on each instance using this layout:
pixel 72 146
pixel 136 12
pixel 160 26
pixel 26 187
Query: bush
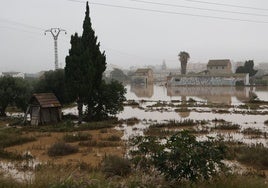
pixel 181 157
pixel 61 149
pixel 115 166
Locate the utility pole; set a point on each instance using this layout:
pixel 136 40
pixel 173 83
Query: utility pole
pixel 55 33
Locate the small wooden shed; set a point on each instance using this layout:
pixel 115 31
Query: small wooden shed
pixel 44 108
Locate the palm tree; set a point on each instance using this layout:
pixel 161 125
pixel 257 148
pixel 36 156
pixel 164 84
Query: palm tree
pixel 184 57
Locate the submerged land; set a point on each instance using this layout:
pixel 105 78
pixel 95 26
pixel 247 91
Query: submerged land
pixel 97 154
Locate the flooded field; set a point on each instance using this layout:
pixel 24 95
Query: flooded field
pixel 246 107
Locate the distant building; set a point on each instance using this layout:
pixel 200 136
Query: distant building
pixel 219 66
pixel 143 76
pixel 13 74
pixel 208 80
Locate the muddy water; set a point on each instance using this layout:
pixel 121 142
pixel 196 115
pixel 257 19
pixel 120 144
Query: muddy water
pixel 221 96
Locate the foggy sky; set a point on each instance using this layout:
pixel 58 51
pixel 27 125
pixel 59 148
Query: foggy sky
pixel 130 37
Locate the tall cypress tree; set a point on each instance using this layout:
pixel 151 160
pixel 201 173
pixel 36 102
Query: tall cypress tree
pixel 85 65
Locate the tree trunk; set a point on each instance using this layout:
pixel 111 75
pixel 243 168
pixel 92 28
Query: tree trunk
pixel 89 113
pixel 80 111
pixel 183 67
pixel 2 112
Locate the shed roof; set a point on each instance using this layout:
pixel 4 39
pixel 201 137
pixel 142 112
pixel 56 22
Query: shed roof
pixel 219 62
pixel 46 100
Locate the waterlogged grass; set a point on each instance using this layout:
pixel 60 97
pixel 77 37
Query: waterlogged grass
pixel 69 126
pixel 130 121
pixel 252 131
pixel 100 144
pixel 114 138
pixel 62 176
pixel 10 155
pixel 181 123
pixel 75 137
pixel 13 136
pixel 254 155
pixel 227 126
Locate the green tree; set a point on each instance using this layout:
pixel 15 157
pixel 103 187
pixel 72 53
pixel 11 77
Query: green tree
pixel 247 68
pixel 181 157
pixel 13 91
pixel 53 82
pixel 84 69
pixel 118 74
pixel 110 99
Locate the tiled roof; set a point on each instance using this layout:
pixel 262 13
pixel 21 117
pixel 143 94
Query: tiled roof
pixel 219 62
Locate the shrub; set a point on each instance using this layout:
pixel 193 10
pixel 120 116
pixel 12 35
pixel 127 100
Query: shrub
pixel 61 149
pixel 115 166
pixel 181 157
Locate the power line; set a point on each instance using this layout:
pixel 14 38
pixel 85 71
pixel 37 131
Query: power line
pixel 228 5
pixel 18 29
pixel 197 8
pixel 21 24
pixel 172 12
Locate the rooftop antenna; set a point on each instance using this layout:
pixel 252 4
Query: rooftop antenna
pixel 55 33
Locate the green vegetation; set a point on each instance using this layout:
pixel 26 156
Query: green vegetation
pixel 252 131
pixel 13 91
pixel 114 138
pixel 254 155
pixel 247 68
pixel 227 126
pixel 181 157
pixel 85 65
pixel 53 82
pixel 115 166
pixel 61 149
pixel 100 144
pixel 118 75
pixel 68 126
pixel 11 137
pixel 181 123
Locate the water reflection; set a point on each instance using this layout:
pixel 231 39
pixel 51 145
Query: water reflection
pixel 221 95
pixel 225 95
pixel 142 90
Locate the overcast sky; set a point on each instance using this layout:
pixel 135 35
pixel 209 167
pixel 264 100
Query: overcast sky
pixel 134 37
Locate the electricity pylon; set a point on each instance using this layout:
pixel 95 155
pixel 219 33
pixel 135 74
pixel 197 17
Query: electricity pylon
pixel 55 33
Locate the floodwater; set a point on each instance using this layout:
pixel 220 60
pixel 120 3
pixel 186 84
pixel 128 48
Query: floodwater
pixel 227 99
